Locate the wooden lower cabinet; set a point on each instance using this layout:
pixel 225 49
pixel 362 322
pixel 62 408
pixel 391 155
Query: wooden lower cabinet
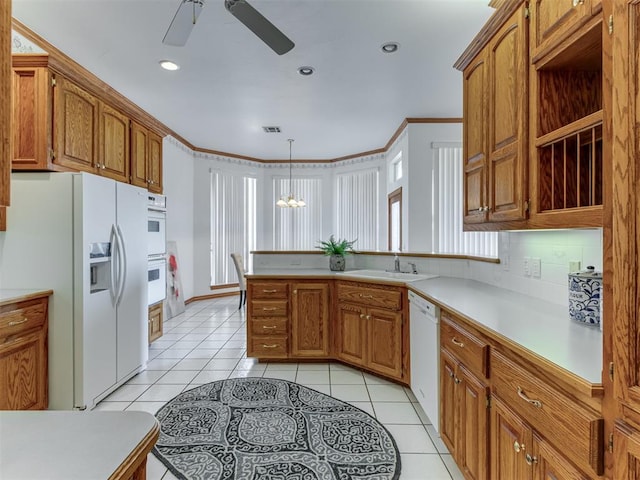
pixel 155 321
pixel 268 319
pixel 310 320
pixel 351 334
pixel 384 342
pixel 626 441
pixel 464 417
pixel 520 453
pixel 24 355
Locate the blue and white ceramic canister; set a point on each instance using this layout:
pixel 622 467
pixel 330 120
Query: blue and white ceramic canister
pixel 585 290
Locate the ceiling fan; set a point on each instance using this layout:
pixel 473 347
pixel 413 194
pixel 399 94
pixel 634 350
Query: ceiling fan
pixel 189 10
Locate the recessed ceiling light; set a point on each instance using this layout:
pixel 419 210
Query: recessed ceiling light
pixel 390 47
pixel 169 65
pixel 306 71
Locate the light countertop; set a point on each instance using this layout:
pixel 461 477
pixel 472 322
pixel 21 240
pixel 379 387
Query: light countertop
pixel 71 445
pixel 541 327
pixel 19 295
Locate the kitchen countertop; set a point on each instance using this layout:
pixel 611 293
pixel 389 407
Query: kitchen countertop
pixel 541 327
pixel 20 295
pixel 73 445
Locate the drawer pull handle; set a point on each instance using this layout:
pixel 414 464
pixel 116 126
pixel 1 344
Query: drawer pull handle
pixel 366 296
pixel 522 395
pixel 530 460
pixel 518 447
pixel 18 322
pixel 457 342
pixel 368 317
pixel 269 346
pixel 362 315
pixel 269 309
pixel 269 327
pixel 269 291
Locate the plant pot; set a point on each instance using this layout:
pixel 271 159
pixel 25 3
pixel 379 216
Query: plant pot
pixel 336 263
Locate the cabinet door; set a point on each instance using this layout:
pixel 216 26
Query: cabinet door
pixel 113 158
pixel 384 345
pixel 139 154
pixel 555 20
pixel 626 441
pixel 23 372
pixel 5 104
pixel 475 90
pixel 75 127
pixel 549 464
pixel 508 120
pixel 472 448
pixel 510 438
pixel 154 167
pixel 448 402
pixel 310 320
pixel 31 129
pixel 155 322
pixel 351 334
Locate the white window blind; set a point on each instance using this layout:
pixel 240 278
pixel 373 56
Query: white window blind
pixel 233 224
pixel 357 214
pixel 448 192
pixel 298 228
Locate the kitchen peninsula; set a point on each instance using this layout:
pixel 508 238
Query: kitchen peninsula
pixel 503 356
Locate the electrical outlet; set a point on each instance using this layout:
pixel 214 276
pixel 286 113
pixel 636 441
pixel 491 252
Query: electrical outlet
pixel 526 266
pixel 574 266
pixel 535 267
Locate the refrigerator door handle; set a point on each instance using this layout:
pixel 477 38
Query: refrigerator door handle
pixel 122 260
pixel 113 273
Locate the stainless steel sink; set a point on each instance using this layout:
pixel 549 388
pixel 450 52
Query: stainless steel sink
pixel 384 275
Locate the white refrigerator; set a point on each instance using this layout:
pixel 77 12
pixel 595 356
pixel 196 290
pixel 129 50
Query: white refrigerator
pixel 83 236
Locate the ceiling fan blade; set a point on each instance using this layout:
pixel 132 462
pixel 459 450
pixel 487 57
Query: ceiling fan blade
pixel 183 22
pixel 263 28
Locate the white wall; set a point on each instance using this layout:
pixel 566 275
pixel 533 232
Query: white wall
pixel 178 175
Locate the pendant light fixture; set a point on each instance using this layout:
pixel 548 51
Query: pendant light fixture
pixel 290 200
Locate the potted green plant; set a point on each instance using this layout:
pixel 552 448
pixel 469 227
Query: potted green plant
pixel 336 249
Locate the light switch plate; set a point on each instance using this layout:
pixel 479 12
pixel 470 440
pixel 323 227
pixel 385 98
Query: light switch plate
pixel 526 266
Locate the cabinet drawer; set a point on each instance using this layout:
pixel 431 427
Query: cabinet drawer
pixel 575 430
pixel 268 308
pixel 470 350
pixel 263 347
pixel 26 316
pixel 268 290
pixel 370 296
pixel 268 326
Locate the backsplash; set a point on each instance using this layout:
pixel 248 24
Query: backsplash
pixel 554 249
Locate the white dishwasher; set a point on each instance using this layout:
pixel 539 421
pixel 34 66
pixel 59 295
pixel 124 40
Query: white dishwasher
pixel 425 356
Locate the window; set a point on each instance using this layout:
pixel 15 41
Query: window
pixel 447 234
pixel 396 167
pixel 233 224
pixel 357 212
pixel 298 228
pixel 395 220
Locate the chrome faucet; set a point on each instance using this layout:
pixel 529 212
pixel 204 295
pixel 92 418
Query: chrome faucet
pixel 414 269
pixel 396 263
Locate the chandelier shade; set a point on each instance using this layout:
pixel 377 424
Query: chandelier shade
pixel 290 201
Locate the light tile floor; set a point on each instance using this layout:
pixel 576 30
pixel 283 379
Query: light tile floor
pixel 207 343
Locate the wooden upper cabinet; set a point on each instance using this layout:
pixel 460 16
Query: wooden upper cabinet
pixel 495 86
pixel 139 154
pixel 475 93
pixel 113 158
pixel 310 319
pixel 31 118
pixel 5 106
pixel 75 127
pixel 146 158
pixel 155 163
pixel 507 152
pixel 554 20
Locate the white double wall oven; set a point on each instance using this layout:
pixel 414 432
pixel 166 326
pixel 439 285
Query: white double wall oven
pixel 157 241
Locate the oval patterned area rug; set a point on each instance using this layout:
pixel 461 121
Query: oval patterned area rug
pixel 270 429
